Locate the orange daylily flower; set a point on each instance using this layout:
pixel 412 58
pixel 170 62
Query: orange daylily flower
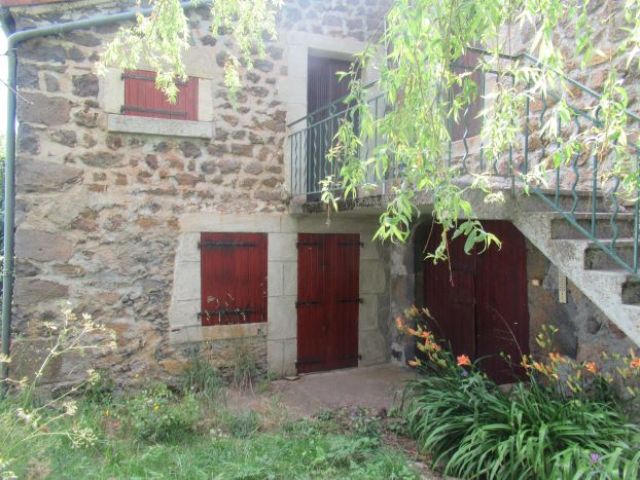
pixel 399 322
pixel 635 363
pixel 463 360
pixel 426 334
pixel 539 367
pixel 591 367
pixel 555 357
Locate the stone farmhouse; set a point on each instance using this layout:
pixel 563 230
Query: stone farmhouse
pixel 197 227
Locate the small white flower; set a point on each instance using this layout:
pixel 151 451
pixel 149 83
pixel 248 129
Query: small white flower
pixel 70 408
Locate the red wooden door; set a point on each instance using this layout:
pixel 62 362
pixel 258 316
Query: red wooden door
pixel 479 301
pixel 323 88
pixel 328 303
pixel 233 278
pixel 450 294
pixel 502 311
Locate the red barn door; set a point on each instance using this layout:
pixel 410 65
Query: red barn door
pixel 480 302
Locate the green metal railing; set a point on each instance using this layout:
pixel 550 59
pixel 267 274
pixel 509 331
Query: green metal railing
pixel 312 137
pixel 577 190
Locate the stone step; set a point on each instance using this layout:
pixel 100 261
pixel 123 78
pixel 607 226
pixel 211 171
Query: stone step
pixel 562 229
pixel 597 259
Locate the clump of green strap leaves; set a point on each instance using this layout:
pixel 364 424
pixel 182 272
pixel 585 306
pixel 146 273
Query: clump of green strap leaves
pixel 415 54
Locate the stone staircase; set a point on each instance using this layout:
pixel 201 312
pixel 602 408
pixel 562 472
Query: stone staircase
pixel 586 264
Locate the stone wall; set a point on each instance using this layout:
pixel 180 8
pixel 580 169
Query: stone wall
pixel 584 332
pixel 98 211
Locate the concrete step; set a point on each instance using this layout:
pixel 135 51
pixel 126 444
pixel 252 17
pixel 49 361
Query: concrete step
pixel 562 229
pixel 631 291
pixel 608 285
pixel 566 201
pixel 597 259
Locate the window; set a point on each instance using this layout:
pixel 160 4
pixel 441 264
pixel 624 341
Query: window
pixel 233 278
pixel 143 99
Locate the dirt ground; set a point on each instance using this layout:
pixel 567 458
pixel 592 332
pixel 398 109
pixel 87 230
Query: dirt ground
pixel 376 389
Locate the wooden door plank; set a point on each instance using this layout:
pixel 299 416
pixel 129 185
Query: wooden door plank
pixel 502 303
pixel 344 278
pixel 449 293
pixel 311 303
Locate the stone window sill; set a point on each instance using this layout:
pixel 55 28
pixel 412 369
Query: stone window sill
pixel 159 126
pixel 198 333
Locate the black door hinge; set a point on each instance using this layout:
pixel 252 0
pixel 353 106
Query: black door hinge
pixel 216 244
pixel 308 244
pixel 307 302
pixel 351 244
pixel 352 300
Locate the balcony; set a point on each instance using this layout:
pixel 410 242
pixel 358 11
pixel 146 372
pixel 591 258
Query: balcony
pixel 530 164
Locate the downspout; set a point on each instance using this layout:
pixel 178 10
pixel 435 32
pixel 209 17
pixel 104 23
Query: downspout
pixel 13 41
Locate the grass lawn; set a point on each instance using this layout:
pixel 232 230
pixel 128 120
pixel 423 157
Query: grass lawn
pixel 154 434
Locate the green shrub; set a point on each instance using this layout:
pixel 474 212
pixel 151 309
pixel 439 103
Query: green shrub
pixel 566 422
pixel 202 379
pixel 242 425
pixel 100 391
pixel 477 431
pixel 245 366
pixel 157 415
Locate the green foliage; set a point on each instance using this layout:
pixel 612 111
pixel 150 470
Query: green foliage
pixel 416 57
pixel 477 431
pixel 245 366
pixel 237 450
pixel 31 420
pixel 160 40
pixel 242 425
pixel 248 22
pixel 157 415
pixel 101 389
pixel 202 379
pixel 564 423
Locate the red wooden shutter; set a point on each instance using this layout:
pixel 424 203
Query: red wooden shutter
pixel 234 278
pixel 143 99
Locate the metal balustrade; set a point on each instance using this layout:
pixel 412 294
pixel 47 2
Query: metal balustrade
pixel 583 190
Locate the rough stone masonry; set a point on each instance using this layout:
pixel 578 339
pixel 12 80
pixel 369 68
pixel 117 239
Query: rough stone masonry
pixel 98 211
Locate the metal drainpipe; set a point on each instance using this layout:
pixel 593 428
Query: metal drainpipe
pixel 10 151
